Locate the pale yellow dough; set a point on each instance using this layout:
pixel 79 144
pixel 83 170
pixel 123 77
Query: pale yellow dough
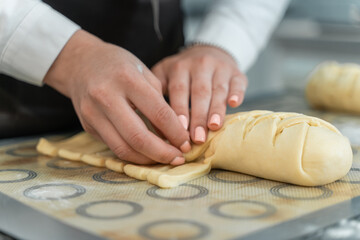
pixel 286 147
pixel 335 86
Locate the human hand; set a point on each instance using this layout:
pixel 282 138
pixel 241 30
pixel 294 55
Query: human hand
pixel 106 84
pixel 207 75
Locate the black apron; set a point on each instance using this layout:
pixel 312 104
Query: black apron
pixel 27 109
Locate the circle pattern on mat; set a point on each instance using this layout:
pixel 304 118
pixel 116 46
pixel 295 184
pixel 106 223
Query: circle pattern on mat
pixel 112 177
pixel 242 209
pixel 109 209
pixel 190 191
pixel 54 191
pixel 301 193
pixel 351 177
pixel 59 163
pixel 16 175
pixel 23 151
pixel 231 177
pixel 180 229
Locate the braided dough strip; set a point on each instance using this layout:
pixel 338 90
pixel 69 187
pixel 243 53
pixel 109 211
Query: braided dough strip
pixel 286 147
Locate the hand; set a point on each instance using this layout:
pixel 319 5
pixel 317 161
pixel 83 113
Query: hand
pixel 207 75
pixel 106 84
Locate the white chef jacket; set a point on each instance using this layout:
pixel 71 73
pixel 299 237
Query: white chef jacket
pixel 32 34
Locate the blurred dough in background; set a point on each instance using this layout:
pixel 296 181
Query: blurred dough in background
pixel 335 86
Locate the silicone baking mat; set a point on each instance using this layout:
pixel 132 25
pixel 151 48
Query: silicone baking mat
pixel 99 203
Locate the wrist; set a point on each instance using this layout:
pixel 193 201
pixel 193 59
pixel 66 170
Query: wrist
pixel 210 45
pixel 63 70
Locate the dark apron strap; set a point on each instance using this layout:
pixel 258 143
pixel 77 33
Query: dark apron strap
pixel 26 109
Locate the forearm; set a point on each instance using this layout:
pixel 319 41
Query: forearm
pixel 31 36
pixel 241 28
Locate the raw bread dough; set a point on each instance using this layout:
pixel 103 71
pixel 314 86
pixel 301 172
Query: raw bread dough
pixel 286 147
pixel 335 86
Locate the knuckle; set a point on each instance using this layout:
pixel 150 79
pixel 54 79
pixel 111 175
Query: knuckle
pixel 178 66
pixel 205 60
pixel 127 75
pixel 88 129
pixel 165 157
pixel 122 151
pixel 136 140
pixel 220 88
pixel 125 72
pixel 163 115
pixel 202 89
pixel 100 94
pixel 178 107
pixel 177 87
pixel 85 110
pixel 223 65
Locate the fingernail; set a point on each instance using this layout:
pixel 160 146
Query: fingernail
pixel 234 99
pixel 178 161
pixel 215 120
pixel 200 134
pixel 185 147
pixel 183 121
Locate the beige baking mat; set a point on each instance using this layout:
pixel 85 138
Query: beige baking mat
pixel 221 205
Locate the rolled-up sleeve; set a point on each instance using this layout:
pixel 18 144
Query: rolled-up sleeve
pixel 240 27
pixel 32 34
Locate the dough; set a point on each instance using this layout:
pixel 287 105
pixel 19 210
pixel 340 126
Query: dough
pixel 286 147
pixel 335 87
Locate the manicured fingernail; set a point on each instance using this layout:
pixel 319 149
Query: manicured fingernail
pixel 183 121
pixel 185 147
pixel 215 120
pixel 234 99
pixel 200 134
pixel 178 161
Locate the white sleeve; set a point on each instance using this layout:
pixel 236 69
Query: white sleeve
pixel 32 34
pixel 240 27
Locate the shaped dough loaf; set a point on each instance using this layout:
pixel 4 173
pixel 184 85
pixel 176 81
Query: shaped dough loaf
pixel 287 147
pixel 335 87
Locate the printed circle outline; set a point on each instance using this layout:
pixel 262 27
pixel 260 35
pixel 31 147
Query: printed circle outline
pixel 144 230
pixel 82 209
pixel 351 182
pixel 152 192
pixel 99 178
pixel 51 164
pixel 80 190
pixel 12 151
pixel 213 176
pixel 215 209
pixel 31 175
pixel 276 192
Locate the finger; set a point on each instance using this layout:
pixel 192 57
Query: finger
pixel 134 132
pixel 179 91
pixel 154 107
pixel 108 134
pixel 237 90
pixel 220 90
pixel 158 71
pixel 201 82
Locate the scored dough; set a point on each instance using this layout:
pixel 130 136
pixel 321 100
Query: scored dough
pixel 335 86
pixel 286 147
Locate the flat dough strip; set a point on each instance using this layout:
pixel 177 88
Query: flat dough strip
pixel 72 148
pixel 287 147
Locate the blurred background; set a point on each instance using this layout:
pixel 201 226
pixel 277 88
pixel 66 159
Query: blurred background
pixel 312 31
